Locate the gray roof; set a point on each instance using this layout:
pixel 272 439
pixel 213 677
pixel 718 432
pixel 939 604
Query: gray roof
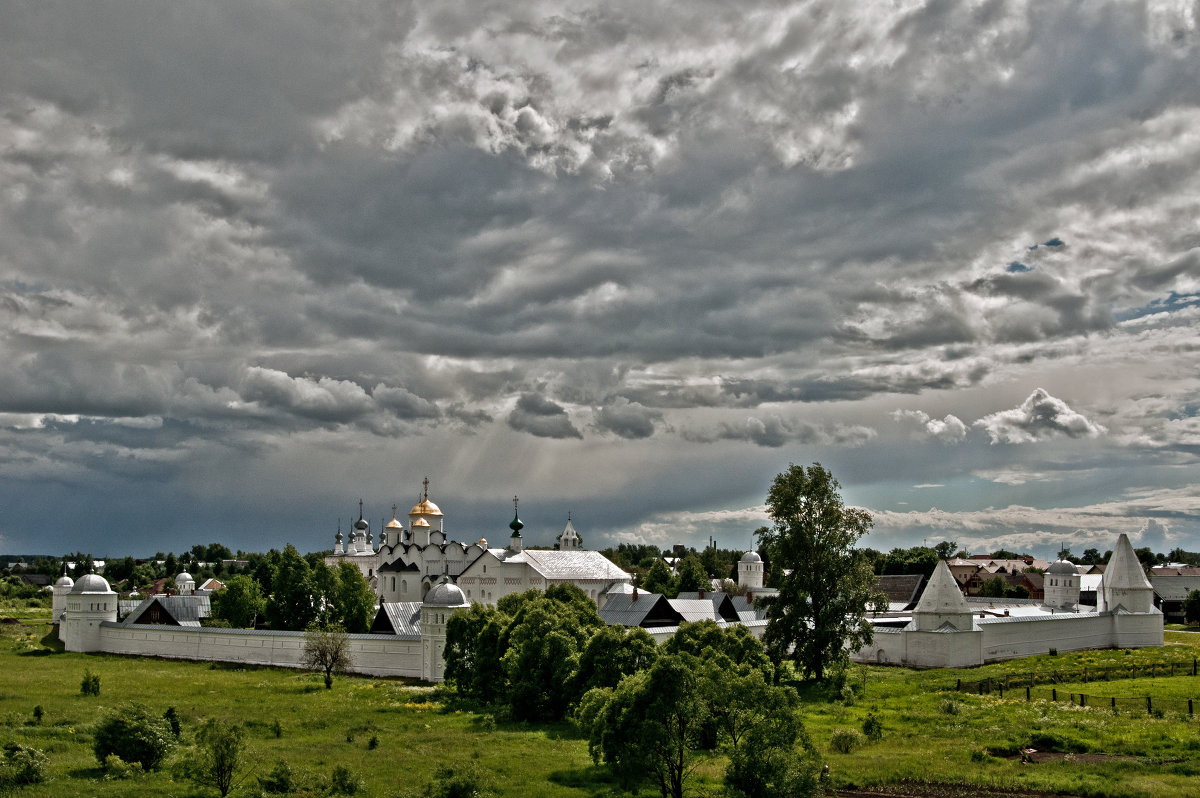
pixel 184 610
pixel 563 566
pixel 403 617
pixel 626 609
pixel 902 589
pixel 695 609
pixel 1172 587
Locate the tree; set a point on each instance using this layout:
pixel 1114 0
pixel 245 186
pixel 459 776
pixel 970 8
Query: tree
pixel 327 649
pixel 1191 607
pixel 693 576
pixel 473 650
pixel 825 585
pixel 241 602
pixel 945 550
pixel 220 754
pixel 770 756
pixel 993 588
pixel 542 645
pixel 611 654
pixel 292 604
pixel 649 727
pixel 353 600
pixel 659 579
pixel 135 735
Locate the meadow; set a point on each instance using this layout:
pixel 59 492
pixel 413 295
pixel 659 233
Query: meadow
pixel 392 736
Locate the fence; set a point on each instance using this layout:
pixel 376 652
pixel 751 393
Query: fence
pixel 1027 685
pixel 1106 673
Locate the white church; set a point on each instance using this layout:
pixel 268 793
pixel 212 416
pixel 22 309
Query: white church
pixel 409 561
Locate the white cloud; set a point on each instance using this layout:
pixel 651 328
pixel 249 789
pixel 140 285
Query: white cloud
pixel 950 429
pixel 1039 417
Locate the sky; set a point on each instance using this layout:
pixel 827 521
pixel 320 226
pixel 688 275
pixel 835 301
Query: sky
pixel 624 260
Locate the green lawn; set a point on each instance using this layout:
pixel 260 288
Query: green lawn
pixel 931 733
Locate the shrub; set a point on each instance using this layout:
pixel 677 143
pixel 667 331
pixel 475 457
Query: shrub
pixel 116 768
pixel 172 719
pixel 276 728
pixel 845 740
pixel 872 727
pixel 279 780
pixel 38 714
pixel 1054 652
pixel 90 685
pixel 373 743
pixel 220 754
pixel 949 707
pixel 1056 742
pixel 135 735
pixel 21 765
pixel 460 781
pixel 344 781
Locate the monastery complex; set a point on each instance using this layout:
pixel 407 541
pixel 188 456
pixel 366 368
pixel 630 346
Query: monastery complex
pixel 422 577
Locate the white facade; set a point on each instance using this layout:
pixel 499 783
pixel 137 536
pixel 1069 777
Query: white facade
pixel 950 631
pixel 750 571
pixel 411 560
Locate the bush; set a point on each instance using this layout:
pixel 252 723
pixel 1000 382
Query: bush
pixel 135 735
pixel 460 781
pixel 1056 742
pixel 116 768
pixel 949 707
pixel 1054 652
pixel 21 765
pixel 90 684
pixel 172 719
pixel 344 781
pixel 279 780
pixel 872 727
pixel 846 740
pixel 220 757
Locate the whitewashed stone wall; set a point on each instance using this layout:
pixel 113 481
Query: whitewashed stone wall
pixel 996 639
pixel 372 655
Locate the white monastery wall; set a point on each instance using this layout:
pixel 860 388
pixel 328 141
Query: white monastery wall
pixel 373 655
pixel 993 640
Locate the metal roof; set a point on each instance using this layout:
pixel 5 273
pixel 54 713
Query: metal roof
pixel 401 618
pixel 184 610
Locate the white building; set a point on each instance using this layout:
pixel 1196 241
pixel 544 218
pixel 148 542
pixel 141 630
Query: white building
pixel 411 560
pixel 949 630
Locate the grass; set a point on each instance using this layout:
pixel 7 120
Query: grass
pixel 930 733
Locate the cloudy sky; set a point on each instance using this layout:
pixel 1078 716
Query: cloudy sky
pixel 627 260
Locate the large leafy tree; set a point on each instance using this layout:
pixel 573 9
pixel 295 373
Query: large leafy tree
pixel 825 584
pixel 352 599
pixel 241 602
pixel 659 579
pixel 541 650
pixel 693 576
pixel 473 651
pixel 293 603
pixel 613 653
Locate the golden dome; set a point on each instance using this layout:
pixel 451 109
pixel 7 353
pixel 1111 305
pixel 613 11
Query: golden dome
pixel 426 507
pixel 420 522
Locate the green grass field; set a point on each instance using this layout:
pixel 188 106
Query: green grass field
pixel 931 734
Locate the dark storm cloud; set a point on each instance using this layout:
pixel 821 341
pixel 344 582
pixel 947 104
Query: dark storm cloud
pixel 327 229
pixel 627 419
pixel 541 417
